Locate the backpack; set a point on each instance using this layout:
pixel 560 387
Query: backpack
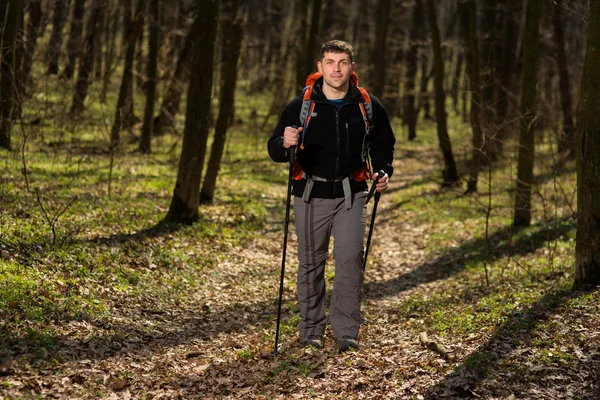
pixel 307 111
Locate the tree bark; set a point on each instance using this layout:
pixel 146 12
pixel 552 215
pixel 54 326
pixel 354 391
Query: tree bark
pixel 73 48
pixel 505 73
pixel 587 270
pixel 487 82
pixel 102 25
pixel 233 34
pixel 7 71
pixel 146 140
pixel 31 34
pixel 450 173
pixel 522 212
pixel 415 42
pixel 186 195
pixel 378 57
pixel 86 62
pixel 300 42
pixel 54 47
pixel 110 35
pixel 170 104
pixel 468 15
pixel 18 72
pixel 456 79
pixel 125 95
pixel 566 143
pixel 311 51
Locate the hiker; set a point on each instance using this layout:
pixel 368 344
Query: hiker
pixel 340 129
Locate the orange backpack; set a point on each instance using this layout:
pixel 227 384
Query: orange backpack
pixel 307 111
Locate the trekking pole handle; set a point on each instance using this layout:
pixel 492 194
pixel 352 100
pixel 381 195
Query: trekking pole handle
pixel 292 150
pixel 374 186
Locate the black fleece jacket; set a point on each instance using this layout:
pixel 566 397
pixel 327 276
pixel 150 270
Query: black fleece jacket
pixel 333 141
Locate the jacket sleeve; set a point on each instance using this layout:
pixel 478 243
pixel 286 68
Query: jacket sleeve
pixel 290 116
pixel 382 139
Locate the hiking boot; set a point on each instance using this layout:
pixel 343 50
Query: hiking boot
pixel 346 343
pixel 312 340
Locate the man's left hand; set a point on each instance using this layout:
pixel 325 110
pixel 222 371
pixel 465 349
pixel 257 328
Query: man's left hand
pixel 383 182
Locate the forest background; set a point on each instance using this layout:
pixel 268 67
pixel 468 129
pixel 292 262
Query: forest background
pixel 141 220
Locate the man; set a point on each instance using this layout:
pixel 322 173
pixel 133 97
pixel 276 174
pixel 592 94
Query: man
pixel 330 190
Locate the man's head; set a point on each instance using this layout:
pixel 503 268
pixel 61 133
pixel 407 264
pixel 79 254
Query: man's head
pixel 336 65
pixel 337 46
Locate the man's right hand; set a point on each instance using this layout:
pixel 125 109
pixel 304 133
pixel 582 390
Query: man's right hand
pixel 291 136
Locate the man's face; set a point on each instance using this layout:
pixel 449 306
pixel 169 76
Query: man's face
pixel 336 69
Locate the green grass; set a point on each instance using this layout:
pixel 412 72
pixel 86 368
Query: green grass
pixel 109 247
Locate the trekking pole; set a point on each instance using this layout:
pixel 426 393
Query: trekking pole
pixel 377 196
pixel 285 235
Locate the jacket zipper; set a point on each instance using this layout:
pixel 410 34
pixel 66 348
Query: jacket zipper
pixel 347 139
pixel 337 134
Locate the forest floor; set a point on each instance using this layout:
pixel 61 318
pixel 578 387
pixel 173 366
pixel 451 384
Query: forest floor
pixel 112 304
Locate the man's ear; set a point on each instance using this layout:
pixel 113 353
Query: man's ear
pixel 353 66
pixel 319 66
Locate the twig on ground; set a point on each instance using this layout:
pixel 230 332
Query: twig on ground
pixel 437 347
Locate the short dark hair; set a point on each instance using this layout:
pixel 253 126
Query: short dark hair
pixel 337 46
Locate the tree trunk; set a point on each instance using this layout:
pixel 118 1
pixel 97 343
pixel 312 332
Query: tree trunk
pixel 54 47
pixel 125 90
pixel 128 117
pixel 588 159
pixel 170 104
pixel 488 64
pixel 301 33
pixel 384 7
pixel 566 143
pixel 468 15
pixel 7 70
pixel 522 214
pixel 146 140
pixel 450 173
pixel 73 49
pixel 110 35
pixel 139 57
pixel 505 73
pixel 233 34
pixel 456 79
pixel 186 195
pixel 415 42
pixel 424 101
pixel 18 72
pixel 311 51
pixel 86 62
pixel 31 34
pixel 102 26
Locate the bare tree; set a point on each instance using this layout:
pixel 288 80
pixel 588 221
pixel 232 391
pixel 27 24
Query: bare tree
pixel 588 158
pixel 567 139
pixel 170 102
pixel 232 35
pixel 186 195
pixel 32 32
pixel 54 47
pixel 125 95
pixel 384 8
pixel 73 48
pixel 7 70
pixel 146 140
pixel 522 212
pixel 416 40
pixel 468 15
pixel 86 61
pixel 450 173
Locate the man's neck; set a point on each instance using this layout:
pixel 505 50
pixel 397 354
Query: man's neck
pixel 334 94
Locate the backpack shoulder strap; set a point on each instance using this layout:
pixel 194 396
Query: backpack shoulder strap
pixel 366 106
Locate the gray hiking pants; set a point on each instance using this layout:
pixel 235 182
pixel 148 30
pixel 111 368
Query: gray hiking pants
pixel 316 221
